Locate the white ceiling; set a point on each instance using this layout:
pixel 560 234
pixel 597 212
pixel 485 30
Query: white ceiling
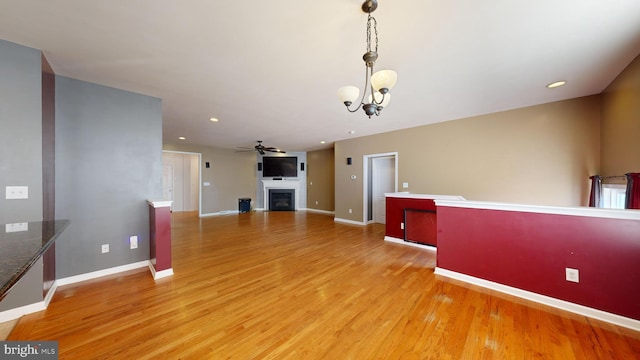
pixel 269 70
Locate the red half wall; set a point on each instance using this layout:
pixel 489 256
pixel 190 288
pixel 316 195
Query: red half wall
pixel 395 213
pixel 530 251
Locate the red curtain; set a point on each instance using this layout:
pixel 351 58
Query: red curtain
pixel 633 191
pixel 595 197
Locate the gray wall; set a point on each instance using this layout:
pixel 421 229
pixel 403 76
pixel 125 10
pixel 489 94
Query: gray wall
pixel 21 134
pixel 108 163
pixel 27 291
pixel 21 153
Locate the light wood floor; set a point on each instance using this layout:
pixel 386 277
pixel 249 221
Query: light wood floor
pixel 6 327
pixel 296 285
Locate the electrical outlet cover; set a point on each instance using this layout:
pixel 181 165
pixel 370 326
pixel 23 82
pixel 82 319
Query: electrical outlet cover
pixel 572 275
pixel 133 241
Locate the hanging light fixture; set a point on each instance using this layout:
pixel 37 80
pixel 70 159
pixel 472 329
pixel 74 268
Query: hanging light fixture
pixel 379 83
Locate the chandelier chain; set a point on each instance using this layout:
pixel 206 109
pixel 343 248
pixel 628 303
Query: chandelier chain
pixel 375 30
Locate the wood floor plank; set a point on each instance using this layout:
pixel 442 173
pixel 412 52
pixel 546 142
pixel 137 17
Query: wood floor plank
pixel 297 285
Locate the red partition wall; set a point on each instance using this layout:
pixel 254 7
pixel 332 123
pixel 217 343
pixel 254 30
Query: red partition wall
pixel 420 226
pixel 160 237
pixel 395 213
pixel 530 251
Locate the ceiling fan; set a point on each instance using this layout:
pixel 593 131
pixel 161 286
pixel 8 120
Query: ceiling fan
pixel 261 149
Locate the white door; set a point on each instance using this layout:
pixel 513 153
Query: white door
pixel 383 172
pixel 167 183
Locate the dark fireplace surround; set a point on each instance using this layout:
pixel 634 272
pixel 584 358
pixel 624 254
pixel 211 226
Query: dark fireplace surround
pixel 282 199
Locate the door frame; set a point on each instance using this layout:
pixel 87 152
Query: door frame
pixel 199 174
pixel 171 190
pixel 366 200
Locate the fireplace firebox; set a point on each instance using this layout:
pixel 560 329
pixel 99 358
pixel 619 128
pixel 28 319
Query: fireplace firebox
pixel 282 199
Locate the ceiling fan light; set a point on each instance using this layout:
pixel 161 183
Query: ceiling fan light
pixel 556 84
pixel 378 97
pixel 384 79
pixel 348 94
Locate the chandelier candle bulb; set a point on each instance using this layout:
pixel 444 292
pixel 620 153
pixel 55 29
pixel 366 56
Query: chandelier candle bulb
pixel 384 79
pixel 348 94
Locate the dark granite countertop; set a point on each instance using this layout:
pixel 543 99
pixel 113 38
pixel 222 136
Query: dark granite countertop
pixel 20 248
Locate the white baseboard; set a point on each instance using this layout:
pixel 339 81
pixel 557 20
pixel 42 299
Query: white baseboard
pixel 408 243
pixel 18 312
pixel 320 211
pixel 351 222
pixel 101 273
pixel 50 293
pixel 159 274
pixel 227 212
pixel 543 299
pixel 223 212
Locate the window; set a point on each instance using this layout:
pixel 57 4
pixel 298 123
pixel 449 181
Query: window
pixel 613 196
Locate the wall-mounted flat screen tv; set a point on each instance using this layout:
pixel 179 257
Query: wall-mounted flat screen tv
pixel 280 166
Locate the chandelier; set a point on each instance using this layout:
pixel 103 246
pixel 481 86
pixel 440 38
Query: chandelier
pixel 378 84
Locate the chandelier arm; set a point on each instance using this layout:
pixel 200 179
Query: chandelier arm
pixel 367 74
pixel 373 98
pixel 354 110
pixel 364 92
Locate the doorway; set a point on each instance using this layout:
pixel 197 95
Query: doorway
pixel 181 180
pixel 380 176
pixel 167 183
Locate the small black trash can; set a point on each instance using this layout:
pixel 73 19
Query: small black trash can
pixel 244 205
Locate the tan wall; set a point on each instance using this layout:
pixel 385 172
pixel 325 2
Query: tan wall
pixel 320 180
pixel 621 123
pixel 536 155
pixel 232 175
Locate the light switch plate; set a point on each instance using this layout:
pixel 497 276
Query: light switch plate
pixel 17 192
pixel 15 227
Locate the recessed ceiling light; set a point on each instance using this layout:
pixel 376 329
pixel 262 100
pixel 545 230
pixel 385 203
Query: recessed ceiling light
pixel 214 120
pixel 352 132
pixel 182 138
pixel 323 142
pixel 556 84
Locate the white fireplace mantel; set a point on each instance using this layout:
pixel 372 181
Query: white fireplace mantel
pixel 281 184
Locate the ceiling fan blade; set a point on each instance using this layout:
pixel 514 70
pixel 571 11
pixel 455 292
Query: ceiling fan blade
pixel 260 149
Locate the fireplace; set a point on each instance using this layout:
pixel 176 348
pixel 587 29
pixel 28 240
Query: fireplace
pixel 285 184
pixel 282 199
